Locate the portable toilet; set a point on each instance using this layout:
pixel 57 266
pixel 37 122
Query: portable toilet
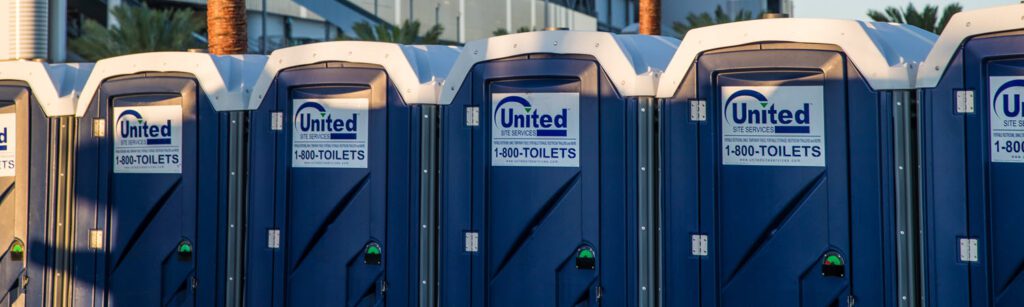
pixel 541 168
pixel 972 153
pixel 337 129
pixel 36 111
pixel 159 181
pixel 785 164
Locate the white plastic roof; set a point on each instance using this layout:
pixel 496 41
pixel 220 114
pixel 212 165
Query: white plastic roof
pixel 227 80
pixel 633 62
pixel 885 53
pixel 962 27
pixel 417 71
pixel 56 86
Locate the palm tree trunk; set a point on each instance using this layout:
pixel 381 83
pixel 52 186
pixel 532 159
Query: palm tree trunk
pixel 650 17
pixel 225 21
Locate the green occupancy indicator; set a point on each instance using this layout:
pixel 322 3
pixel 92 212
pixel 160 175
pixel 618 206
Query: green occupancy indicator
pixel 372 254
pixel 17 250
pixel 833 260
pixel 185 250
pixel 585 258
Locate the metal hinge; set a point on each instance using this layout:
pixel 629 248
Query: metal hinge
pixel 965 101
pixel 600 293
pixel 472 241
pixel 698 110
pixel 968 249
pixel 99 127
pixel 699 245
pixel 850 301
pixel 96 239
pixel 276 121
pixel 273 238
pixel 383 287
pixel 472 116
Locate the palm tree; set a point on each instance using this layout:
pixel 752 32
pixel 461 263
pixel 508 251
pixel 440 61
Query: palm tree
pixel 927 19
pixel 408 33
pixel 650 17
pixel 139 29
pixel 227 30
pixel 694 21
pixel 503 31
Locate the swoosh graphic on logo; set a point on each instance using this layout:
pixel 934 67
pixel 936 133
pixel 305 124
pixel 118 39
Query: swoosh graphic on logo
pixel 310 104
pixel 1004 87
pixel 522 101
pixel 743 93
pixel 129 112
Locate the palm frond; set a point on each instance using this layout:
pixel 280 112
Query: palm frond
pixel 719 16
pixel 407 33
pixel 927 18
pixel 139 29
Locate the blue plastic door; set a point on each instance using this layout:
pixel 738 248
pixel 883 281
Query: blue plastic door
pixel 13 213
pixel 152 237
pixel 538 218
pixel 995 161
pixel 539 196
pixel 774 197
pixel 538 191
pixel 335 198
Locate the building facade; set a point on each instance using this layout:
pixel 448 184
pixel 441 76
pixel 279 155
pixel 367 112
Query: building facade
pixel 273 24
pixel 622 15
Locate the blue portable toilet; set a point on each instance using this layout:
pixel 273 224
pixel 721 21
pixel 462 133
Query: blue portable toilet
pixel 36 112
pixel 542 172
pixel 337 136
pixel 972 150
pixel 158 181
pixel 784 164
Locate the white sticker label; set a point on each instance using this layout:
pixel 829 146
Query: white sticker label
pixel 535 129
pixel 8 123
pixel 330 133
pixel 147 139
pixel 1007 118
pixel 773 125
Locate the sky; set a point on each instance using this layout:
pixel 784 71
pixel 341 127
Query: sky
pixel 857 9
